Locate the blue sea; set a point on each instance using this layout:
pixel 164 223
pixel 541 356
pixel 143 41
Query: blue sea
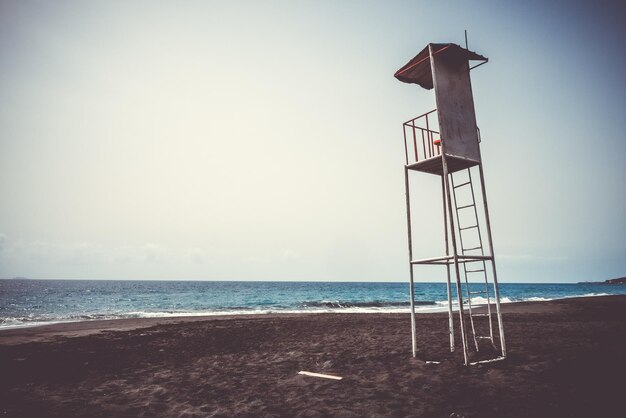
pixel 36 302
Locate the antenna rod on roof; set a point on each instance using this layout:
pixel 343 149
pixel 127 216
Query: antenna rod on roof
pixel 468 54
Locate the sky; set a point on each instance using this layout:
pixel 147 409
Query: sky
pixel 262 140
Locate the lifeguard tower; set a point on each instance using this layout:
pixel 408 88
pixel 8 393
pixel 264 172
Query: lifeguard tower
pixel 446 142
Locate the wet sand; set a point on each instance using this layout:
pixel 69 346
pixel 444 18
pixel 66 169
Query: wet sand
pixel 566 358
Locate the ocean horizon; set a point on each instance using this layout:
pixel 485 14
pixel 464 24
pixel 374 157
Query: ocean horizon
pixel 32 302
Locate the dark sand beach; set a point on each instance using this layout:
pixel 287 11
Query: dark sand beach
pixel 566 358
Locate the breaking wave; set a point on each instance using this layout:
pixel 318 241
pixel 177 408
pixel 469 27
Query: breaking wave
pixel 373 304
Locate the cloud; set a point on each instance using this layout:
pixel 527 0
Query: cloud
pixel 153 253
pixel 22 252
pixel 195 255
pixel 289 255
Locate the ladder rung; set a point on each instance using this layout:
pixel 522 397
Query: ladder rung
pixel 465 206
pixel 468 227
pixel 480 314
pixel 462 184
pixel 480 337
pixel 478 292
pixel 472 249
pixel 474 271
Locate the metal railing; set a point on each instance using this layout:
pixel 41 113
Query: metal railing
pixel 419 131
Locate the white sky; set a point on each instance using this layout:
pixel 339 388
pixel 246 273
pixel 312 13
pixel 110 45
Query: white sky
pixel 263 140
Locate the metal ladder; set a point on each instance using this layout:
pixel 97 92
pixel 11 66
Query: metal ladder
pixel 474 270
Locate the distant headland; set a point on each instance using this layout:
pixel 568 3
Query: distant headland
pixel 621 280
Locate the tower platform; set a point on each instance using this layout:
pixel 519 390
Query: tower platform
pixel 434 165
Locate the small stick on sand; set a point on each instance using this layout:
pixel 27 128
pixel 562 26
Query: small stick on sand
pixel 487 361
pixel 325 376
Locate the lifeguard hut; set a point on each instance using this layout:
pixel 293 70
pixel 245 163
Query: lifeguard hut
pixel 446 142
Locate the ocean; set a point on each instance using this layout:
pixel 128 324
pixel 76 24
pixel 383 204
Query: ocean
pixel 36 302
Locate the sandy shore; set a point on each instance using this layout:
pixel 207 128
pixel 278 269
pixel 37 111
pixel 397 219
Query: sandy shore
pixel 566 358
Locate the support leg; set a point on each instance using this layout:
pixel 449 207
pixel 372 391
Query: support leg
pixel 411 283
pixel 448 288
pixel 496 289
pixel 456 259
